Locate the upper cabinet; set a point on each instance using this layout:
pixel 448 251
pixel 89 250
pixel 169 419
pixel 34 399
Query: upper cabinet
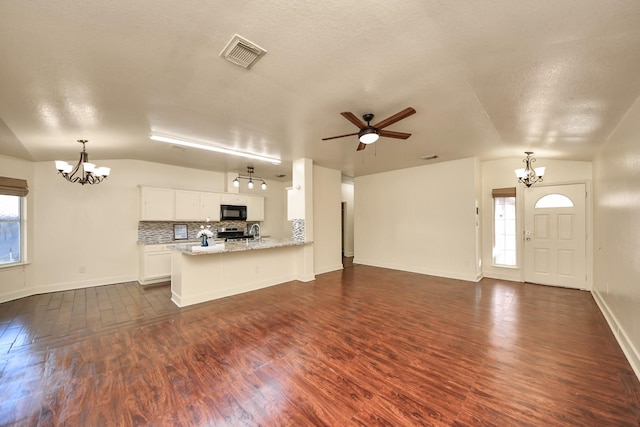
pixel 197 206
pixel 167 204
pixel 233 199
pixel 255 208
pixel 157 204
pixel 187 205
pixel 210 206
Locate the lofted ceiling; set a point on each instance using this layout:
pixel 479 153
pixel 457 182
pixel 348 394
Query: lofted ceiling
pixel 489 79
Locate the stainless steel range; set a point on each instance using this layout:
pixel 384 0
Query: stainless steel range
pixel 233 233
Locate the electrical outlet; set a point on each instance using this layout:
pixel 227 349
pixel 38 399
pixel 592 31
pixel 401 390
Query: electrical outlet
pixel 82 269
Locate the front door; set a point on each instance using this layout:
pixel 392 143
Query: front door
pixel 555 236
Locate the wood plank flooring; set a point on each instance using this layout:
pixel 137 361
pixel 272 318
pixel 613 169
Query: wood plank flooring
pixel 359 347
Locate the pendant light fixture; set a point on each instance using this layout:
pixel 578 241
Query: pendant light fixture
pixel 84 172
pixel 250 177
pixel 528 175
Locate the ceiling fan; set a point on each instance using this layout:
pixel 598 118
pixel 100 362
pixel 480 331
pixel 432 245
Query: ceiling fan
pixel 369 134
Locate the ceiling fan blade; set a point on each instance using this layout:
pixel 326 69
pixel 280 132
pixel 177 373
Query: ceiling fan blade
pixel 395 118
pixel 392 134
pixel 361 146
pixel 339 136
pixel 353 119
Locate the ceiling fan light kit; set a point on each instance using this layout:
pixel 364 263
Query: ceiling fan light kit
pixel 369 134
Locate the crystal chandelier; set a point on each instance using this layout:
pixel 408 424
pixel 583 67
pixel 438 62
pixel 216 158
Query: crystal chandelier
pixel 84 172
pixel 528 175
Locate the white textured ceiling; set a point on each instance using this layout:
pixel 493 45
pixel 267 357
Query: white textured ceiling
pixel 487 78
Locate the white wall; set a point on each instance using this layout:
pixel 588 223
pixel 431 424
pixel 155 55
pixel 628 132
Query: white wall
pixel 419 219
pixel 616 284
pixel 347 199
pixel 94 228
pixel 327 235
pixel 500 174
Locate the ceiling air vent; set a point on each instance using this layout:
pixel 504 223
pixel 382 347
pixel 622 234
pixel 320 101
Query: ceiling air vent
pixel 242 52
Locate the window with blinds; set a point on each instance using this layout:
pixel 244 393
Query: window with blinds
pixel 12 230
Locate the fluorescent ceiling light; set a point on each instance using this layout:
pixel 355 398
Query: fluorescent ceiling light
pixel 201 146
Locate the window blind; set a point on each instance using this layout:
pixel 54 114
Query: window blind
pixel 13 186
pixel 503 192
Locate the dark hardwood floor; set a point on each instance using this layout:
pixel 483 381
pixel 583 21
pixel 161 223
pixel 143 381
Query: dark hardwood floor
pixel 361 346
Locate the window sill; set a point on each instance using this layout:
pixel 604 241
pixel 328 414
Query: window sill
pixel 10 266
pixel 509 267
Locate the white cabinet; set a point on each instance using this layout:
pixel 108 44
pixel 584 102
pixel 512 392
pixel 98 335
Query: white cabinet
pixel 210 206
pixel 155 264
pixel 233 199
pixel 167 204
pixel 197 206
pixel 255 208
pixel 156 204
pixel 187 205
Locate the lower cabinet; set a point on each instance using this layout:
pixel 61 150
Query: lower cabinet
pixel 155 264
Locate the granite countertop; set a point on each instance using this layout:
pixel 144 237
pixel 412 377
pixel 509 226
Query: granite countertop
pixel 177 242
pixel 235 246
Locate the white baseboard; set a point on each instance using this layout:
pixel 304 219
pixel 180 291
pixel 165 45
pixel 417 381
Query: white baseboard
pixel 10 296
pixel 65 286
pixel 146 282
pixel 471 277
pixel 627 346
pixel 214 294
pixel 306 277
pixel 328 269
pixel 514 276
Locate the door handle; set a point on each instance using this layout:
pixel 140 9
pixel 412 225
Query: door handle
pixel 527 238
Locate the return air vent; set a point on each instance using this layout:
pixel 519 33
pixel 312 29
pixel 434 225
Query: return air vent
pixel 242 52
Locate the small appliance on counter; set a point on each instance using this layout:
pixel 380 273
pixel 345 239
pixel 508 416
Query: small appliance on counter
pixel 233 233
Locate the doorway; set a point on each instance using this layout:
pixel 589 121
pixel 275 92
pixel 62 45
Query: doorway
pixel 347 259
pixel 343 220
pixel 555 236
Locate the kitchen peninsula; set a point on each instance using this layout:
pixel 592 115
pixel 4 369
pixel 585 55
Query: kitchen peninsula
pixel 200 274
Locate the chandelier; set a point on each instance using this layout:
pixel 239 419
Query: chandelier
pixel 236 182
pixel 84 172
pixel 528 175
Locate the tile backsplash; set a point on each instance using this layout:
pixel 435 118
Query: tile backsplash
pixel 298 230
pixel 157 232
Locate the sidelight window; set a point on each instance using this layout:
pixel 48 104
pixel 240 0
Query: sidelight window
pixel 504 227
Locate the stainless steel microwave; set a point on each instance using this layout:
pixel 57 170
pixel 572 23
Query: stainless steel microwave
pixel 233 212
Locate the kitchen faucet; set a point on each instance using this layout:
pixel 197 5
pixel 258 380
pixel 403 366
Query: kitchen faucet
pixel 252 230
